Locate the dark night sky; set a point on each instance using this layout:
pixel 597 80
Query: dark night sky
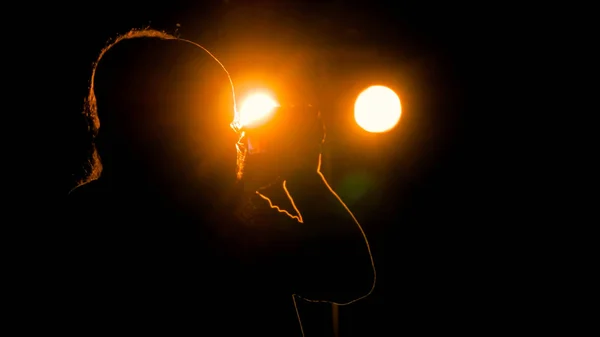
pixel 448 262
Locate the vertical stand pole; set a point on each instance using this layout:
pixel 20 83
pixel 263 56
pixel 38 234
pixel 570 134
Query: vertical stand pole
pixel 335 317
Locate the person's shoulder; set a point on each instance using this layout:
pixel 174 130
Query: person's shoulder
pixel 85 192
pixel 79 204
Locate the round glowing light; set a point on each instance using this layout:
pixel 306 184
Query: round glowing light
pixel 377 109
pixel 256 109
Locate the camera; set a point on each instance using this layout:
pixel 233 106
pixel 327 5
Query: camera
pixel 290 126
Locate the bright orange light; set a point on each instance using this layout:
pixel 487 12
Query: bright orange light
pixel 256 109
pixel 377 109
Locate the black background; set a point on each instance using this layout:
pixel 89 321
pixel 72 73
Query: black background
pixel 458 249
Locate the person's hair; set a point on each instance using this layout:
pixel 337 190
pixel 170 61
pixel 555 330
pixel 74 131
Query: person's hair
pixel 93 166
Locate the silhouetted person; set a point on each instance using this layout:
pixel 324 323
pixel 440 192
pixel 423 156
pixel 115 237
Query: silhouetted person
pixel 156 242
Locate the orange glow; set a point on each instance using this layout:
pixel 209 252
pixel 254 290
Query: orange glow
pixel 257 108
pixel 377 109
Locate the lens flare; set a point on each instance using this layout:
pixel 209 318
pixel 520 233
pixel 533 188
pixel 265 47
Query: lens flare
pixel 377 109
pixel 256 109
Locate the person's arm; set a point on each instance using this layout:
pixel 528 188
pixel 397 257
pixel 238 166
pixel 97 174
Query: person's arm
pixel 333 260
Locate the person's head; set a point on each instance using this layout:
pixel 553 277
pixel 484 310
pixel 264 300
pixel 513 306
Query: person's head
pixel 160 110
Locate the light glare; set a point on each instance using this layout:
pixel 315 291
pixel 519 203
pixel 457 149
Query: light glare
pixel 377 109
pixel 256 109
